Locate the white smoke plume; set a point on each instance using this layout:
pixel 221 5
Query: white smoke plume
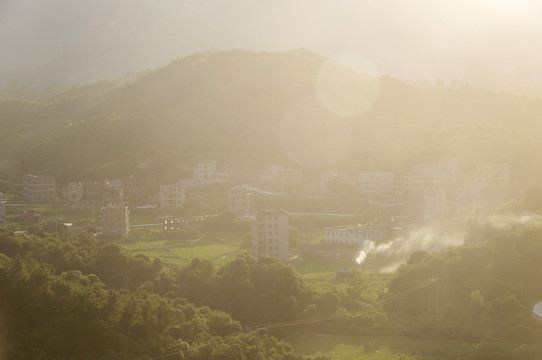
pixel 511 221
pixel 389 256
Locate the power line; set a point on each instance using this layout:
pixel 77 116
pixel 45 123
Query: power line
pixel 391 299
pixel 359 310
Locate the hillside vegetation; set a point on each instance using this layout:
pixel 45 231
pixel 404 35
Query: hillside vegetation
pixel 250 109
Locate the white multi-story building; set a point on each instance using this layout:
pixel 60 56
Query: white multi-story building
pixel 172 196
pixel 269 235
pixel 426 188
pixel 374 184
pixel 355 234
pixel 2 210
pixel 73 195
pixel 492 175
pixel 207 171
pixel 39 187
pixel 241 200
pixel 278 179
pixel 115 220
pixel 94 194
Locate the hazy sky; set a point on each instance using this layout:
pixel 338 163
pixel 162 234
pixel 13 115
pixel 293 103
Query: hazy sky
pixel 403 38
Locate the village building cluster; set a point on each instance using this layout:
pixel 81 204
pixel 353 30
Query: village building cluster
pixel 425 191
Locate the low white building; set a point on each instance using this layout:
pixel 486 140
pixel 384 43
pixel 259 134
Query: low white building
pixel 241 200
pixel 172 196
pixel 356 234
pixel 269 234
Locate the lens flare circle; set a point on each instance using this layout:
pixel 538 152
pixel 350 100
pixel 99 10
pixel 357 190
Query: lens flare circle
pixel 345 92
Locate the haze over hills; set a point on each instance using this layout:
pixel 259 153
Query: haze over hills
pixel 248 109
pixel 489 44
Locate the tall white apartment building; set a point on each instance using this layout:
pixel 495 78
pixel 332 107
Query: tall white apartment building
pixel 355 234
pixel 172 196
pixel 2 210
pixel 115 220
pixel 492 175
pixel 241 200
pixel 269 235
pixel 39 187
pixel 374 184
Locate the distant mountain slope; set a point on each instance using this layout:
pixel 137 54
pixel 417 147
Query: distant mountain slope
pixel 250 109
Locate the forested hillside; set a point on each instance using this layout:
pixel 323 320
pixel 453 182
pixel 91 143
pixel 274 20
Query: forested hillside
pixel 73 296
pixel 249 109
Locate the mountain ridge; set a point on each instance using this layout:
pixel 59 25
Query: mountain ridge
pixel 248 109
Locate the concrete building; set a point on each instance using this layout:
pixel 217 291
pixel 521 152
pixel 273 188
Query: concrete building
pixel 425 188
pixel 356 234
pixel 39 188
pixel 277 179
pixel 375 184
pixel 492 175
pixel 115 220
pixel 172 196
pixel 113 192
pixel 269 235
pixel 2 210
pixel 241 200
pixel 73 195
pixel 207 171
pixel 94 194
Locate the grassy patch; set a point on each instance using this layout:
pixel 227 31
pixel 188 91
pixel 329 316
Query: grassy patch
pixel 321 271
pixel 342 347
pixel 172 253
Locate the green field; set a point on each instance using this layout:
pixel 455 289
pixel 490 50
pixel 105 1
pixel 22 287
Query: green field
pixel 172 253
pixel 341 347
pixel 320 271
